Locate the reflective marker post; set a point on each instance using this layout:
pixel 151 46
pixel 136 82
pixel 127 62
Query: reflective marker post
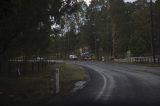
pixel 57 81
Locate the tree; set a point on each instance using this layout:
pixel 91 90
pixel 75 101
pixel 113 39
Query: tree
pixel 96 33
pixel 140 41
pixel 25 25
pixel 157 25
pixel 26 18
pixel 72 26
pixel 119 21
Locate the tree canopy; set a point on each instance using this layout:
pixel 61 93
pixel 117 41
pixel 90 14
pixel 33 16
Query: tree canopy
pixel 106 27
pixel 25 25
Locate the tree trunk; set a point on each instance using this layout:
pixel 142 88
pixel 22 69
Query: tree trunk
pixel 1 63
pixel 113 40
pixel 4 63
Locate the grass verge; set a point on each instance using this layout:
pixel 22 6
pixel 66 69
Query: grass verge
pixel 39 88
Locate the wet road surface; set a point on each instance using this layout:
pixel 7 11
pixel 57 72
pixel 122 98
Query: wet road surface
pixel 118 84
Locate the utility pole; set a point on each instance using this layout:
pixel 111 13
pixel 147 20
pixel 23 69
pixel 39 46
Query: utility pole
pixel 152 32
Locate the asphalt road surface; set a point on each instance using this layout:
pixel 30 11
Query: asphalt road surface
pixel 118 84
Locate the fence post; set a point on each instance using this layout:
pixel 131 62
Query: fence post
pixel 57 81
pixel 19 73
pixel 32 65
pixel 38 66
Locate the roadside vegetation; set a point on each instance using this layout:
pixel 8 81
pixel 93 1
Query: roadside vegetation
pixel 39 88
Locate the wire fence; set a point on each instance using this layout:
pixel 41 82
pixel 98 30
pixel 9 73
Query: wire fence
pixel 22 67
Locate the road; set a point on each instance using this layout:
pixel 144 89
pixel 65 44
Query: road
pixel 119 84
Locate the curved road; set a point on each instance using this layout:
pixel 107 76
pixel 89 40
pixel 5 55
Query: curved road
pixel 119 84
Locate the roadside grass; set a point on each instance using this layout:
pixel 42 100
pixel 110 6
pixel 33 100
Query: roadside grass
pixel 68 73
pixel 39 88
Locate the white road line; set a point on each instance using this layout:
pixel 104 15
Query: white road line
pixel 107 88
pixel 103 88
pixel 110 86
pixel 108 82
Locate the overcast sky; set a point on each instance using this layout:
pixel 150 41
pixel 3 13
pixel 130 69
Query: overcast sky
pixel 124 0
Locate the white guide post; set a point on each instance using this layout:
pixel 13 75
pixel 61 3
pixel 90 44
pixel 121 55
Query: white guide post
pixel 57 81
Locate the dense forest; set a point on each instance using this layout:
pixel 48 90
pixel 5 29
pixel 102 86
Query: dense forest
pixel 25 27
pixel 60 27
pixel 113 27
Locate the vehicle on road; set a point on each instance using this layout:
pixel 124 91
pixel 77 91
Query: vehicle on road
pixel 73 57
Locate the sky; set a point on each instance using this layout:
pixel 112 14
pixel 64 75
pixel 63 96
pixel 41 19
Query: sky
pixel 124 0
